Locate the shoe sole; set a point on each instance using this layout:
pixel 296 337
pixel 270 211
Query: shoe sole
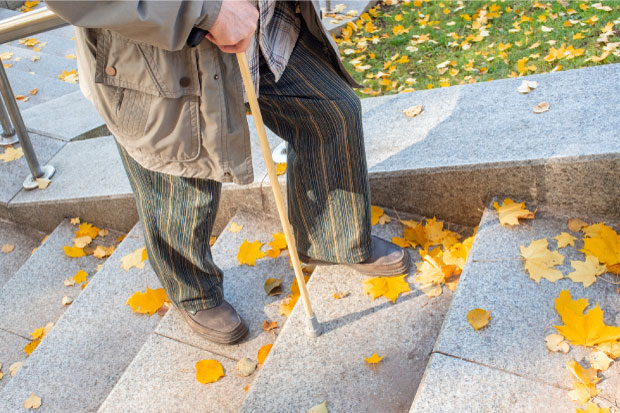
pixel 215 336
pixel 399 268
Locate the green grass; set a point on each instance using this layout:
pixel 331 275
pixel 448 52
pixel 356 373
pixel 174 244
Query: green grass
pixel 467 37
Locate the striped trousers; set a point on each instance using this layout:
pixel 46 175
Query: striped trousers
pixel 318 114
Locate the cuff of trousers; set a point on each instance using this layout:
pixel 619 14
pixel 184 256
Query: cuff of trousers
pixel 213 298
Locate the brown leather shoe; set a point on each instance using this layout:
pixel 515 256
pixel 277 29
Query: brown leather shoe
pixel 221 324
pixel 386 259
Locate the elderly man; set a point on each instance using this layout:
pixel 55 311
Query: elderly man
pixel 178 116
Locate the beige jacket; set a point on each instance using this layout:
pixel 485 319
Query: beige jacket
pixel 175 109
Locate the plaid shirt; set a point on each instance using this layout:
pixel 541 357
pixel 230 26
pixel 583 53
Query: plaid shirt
pixel 278 30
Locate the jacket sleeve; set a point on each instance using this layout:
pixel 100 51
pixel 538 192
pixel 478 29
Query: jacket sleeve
pixel 165 24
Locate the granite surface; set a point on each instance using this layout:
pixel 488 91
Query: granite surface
pixel 24 239
pixel 460 386
pixel 11 351
pixel 522 311
pixel 80 360
pixel 331 368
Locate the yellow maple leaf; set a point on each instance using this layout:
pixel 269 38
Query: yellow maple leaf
pixel 234 227
pixel 280 168
pixel 11 154
pixel 585 386
pixel 583 329
pixel 79 277
pixel 212 241
pixel 81 242
pixel 586 271
pixel 287 305
pixel 134 259
pixel 279 241
pixel 388 287
pixel 73 252
pixel 565 239
pixel 539 261
pixel 594 230
pixel 87 230
pixel 605 246
pixel 69 76
pixel 148 302
pixel 401 242
pixel 478 318
pixel 263 352
pixel 593 408
pixel 273 253
pixel 75 221
pixel 510 212
pixel 209 371
pixel 599 360
pixel 374 359
pixel 611 348
pixel 31 42
pixel 250 252
pixel 30 347
pixel 376 213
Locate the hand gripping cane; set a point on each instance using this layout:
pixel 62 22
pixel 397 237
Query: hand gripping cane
pixel 313 328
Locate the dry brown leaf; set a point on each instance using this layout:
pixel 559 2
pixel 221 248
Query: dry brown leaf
pixel 269 325
pixel 272 286
pixel 32 402
pixel 541 107
pixel 575 224
pixel 6 248
pixel 413 111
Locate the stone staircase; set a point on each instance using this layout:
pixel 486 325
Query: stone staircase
pixel 469 144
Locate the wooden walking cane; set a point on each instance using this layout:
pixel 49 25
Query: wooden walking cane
pixel 313 328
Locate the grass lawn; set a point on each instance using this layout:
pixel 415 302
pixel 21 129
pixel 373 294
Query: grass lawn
pixel 411 45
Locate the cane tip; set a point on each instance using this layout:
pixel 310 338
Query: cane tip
pixel 313 328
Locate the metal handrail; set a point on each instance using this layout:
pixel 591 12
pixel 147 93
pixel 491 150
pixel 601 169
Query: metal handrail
pixel 11 29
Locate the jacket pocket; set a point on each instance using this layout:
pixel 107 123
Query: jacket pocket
pixel 149 97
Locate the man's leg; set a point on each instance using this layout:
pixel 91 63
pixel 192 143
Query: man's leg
pixel 177 216
pixel 319 115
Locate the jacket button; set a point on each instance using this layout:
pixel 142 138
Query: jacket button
pixel 216 77
pixel 110 71
pixel 184 82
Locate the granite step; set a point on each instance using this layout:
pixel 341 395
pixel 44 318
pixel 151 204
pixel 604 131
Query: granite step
pixel 506 365
pixel 32 297
pixel 301 372
pixel 57 45
pixel 79 362
pixel 48 89
pixel 24 239
pixel 169 355
pixel 47 65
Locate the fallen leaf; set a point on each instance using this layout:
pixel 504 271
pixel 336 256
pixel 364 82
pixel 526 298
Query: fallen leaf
pixel 34 91
pixel 586 271
pixel 250 252
pixel 611 348
pixel 75 221
pixel 245 367
pixel 374 359
pixel 599 360
pixel 556 343
pixel 377 216
pixel 71 56
pixel 279 241
pixel 605 246
pixel 527 86
pixel 593 408
pixel 22 98
pixel 79 277
pixel 74 252
pixel 581 393
pixel 6 248
pixel 280 168
pixel 6 56
pixel 287 305
pixel 413 111
pixel 66 300
pixel 583 329
pixel 161 311
pixel 102 251
pixel 587 378
pixel 510 212
pixel 263 352
pixel 341 295
pixel 234 227
pixel 478 318
pixel 575 224
pixel 272 286
pixel 69 76
pixel 11 154
pixel 82 242
pixel 541 107
pixel 103 232
pixel 134 259
pixel 539 261
pixel 212 241
pixel 565 239
pixel 148 302
pixel 209 371
pixel 32 402
pixel 388 287
pixel 319 408
pixel 269 325
pixel 86 229
pixel 69 283
pixel 37 336
pixel 15 367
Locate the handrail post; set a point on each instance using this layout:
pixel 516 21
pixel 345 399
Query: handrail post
pixel 22 134
pixel 8 136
